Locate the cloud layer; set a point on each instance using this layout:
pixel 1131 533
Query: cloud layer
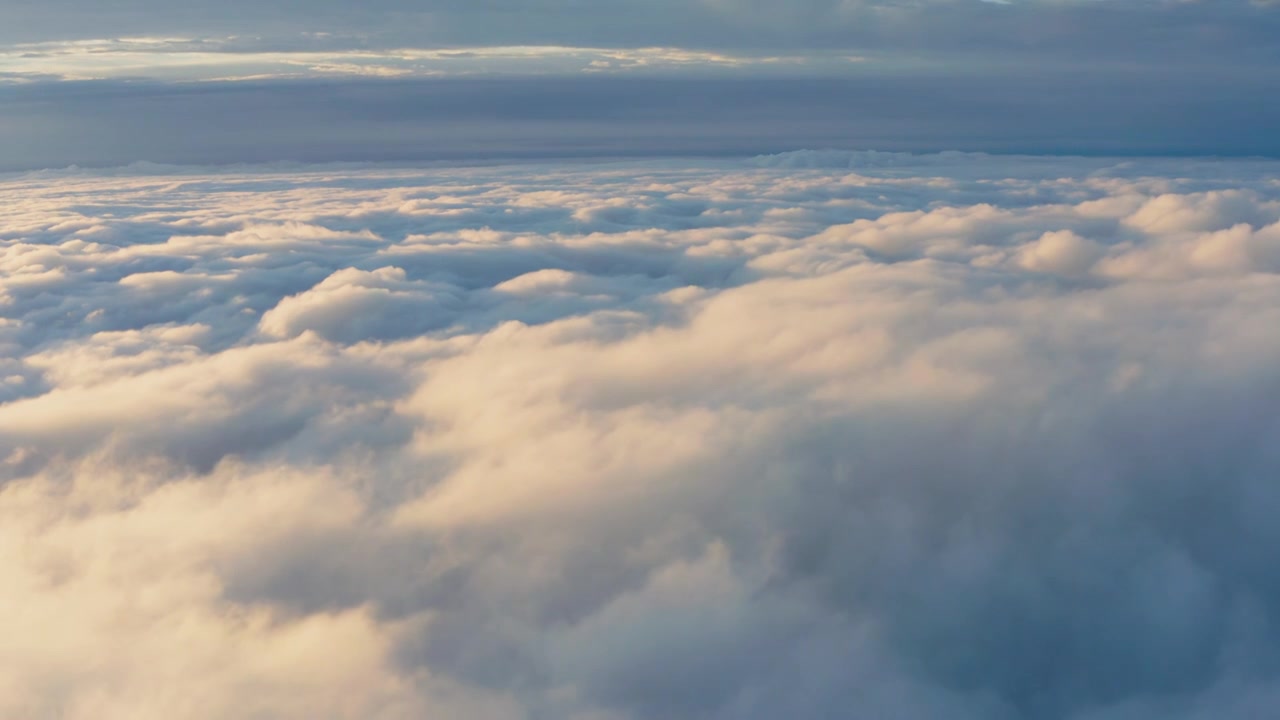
pixel 824 434
pixel 1009 110
pixel 198 82
pixel 1218 33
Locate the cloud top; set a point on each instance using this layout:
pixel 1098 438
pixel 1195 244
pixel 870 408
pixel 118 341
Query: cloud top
pixel 815 435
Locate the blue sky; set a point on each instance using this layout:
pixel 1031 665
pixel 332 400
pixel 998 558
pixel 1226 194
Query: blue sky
pixel 84 83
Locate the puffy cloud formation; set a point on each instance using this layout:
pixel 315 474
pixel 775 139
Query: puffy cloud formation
pixel 819 435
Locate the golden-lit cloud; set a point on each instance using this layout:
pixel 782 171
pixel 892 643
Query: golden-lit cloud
pixel 871 434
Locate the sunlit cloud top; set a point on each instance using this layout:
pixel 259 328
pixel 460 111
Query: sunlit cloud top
pixel 815 436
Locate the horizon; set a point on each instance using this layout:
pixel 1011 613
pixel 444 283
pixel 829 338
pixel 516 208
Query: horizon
pixel 187 81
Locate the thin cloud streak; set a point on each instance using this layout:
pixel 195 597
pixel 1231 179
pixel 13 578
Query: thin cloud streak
pixel 183 59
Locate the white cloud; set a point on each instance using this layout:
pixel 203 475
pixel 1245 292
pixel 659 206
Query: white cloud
pixel 354 304
pixel 1062 252
pixel 919 437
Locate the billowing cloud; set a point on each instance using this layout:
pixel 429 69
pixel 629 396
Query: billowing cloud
pixel 818 435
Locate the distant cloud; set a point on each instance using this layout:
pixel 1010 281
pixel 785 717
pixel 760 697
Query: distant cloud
pixel 346 117
pixel 1121 33
pixel 825 434
pixel 248 58
pixel 236 80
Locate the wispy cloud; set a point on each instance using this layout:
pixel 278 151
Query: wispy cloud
pixel 221 58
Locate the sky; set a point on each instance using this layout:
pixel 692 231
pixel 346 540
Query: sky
pixel 192 81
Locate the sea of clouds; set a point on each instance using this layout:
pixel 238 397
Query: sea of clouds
pixel 818 435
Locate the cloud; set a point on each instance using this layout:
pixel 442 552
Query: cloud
pixel 1062 252
pixel 1219 34
pixel 353 304
pixel 826 434
pixel 197 82
pixel 245 58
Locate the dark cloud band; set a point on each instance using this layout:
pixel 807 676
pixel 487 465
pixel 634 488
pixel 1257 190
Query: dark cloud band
pixel 114 123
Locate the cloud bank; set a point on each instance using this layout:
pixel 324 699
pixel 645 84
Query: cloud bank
pixel 818 435
pixel 198 82
pixel 414 120
pixel 1217 33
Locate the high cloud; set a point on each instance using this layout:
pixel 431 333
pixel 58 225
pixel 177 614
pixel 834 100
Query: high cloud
pixel 818 435
pixel 233 58
pixel 1218 33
